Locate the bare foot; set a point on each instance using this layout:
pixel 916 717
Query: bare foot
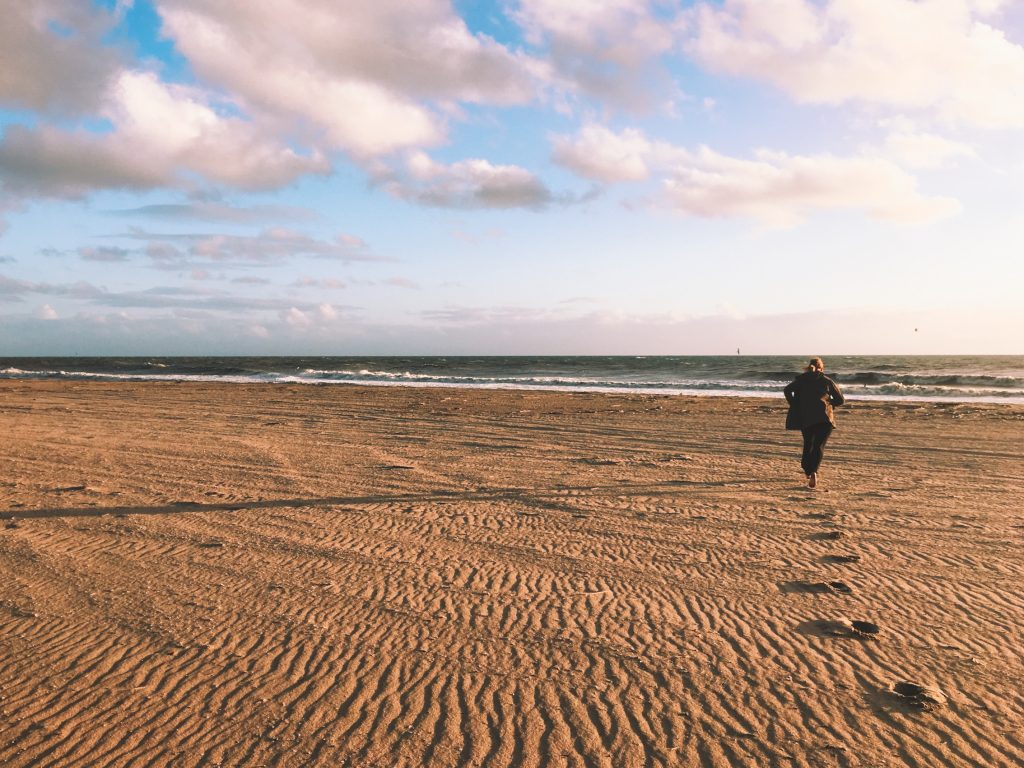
pixel 812 480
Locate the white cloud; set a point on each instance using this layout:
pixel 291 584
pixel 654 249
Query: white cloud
pixel 774 188
pixel 180 299
pixel 14 289
pixel 162 133
pixel 187 250
pixel 104 253
pixel 599 153
pixel 276 244
pixel 323 282
pixel 518 330
pixel 402 282
pixel 295 317
pixel 53 163
pixel 604 49
pixel 50 72
pixel 512 315
pixel 779 190
pixel 473 183
pixel 193 252
pixel 46 312
pixel 217 210
pixel 179 126
pixel 356 73
pixel 937 55
pixel 917 149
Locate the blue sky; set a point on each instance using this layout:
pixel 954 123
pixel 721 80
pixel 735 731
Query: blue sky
pixel 526 176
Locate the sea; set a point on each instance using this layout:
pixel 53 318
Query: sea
pixel 956 378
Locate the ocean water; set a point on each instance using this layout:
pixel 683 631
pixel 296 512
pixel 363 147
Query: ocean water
pixel 997 379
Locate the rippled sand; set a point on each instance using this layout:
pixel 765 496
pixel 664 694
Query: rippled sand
pixel 294 576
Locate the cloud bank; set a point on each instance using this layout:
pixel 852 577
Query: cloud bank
pixel 775 188
pixel 65 74
pixel 162 136
pixel 939 56
pixel 361 76
pixel 474 183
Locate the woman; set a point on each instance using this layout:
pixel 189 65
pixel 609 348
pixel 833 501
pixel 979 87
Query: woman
pixel 811 397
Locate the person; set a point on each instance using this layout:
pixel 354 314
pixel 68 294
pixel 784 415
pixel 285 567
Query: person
pixel 811 397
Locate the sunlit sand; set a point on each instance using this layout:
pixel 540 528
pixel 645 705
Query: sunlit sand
pixel 289 576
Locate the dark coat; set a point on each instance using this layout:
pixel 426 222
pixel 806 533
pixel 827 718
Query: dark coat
pixel 811 397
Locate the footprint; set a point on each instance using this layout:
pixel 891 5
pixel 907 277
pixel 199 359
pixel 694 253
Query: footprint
pixel 839 587
pixel 841 559
pixel 865 629
pixel 862 630
pixel 817 587
pixel 827 536
pixel 916 695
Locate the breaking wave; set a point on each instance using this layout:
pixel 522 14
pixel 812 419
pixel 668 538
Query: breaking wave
pixel 955 379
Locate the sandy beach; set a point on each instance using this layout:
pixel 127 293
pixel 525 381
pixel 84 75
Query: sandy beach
pixel 236 575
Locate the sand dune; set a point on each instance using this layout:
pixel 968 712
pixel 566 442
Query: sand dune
pixel 293 576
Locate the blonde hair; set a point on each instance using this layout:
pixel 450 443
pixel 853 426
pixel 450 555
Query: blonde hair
pixel 814 364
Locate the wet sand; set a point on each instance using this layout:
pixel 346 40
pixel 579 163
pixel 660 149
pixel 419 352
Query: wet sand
pixel 200 574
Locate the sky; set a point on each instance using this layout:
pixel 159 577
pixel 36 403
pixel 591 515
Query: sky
pixel 400 177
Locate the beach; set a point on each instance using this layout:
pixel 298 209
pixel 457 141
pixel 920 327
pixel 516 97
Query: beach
pixel 196 574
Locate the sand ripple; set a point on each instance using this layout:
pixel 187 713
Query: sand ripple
pixel 199 575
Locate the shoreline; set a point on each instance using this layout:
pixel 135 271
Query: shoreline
pixel 624 391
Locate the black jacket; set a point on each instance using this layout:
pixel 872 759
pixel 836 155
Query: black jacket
pixel 811 397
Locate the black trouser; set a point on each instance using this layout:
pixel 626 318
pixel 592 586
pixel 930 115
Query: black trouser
pixel 815 437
